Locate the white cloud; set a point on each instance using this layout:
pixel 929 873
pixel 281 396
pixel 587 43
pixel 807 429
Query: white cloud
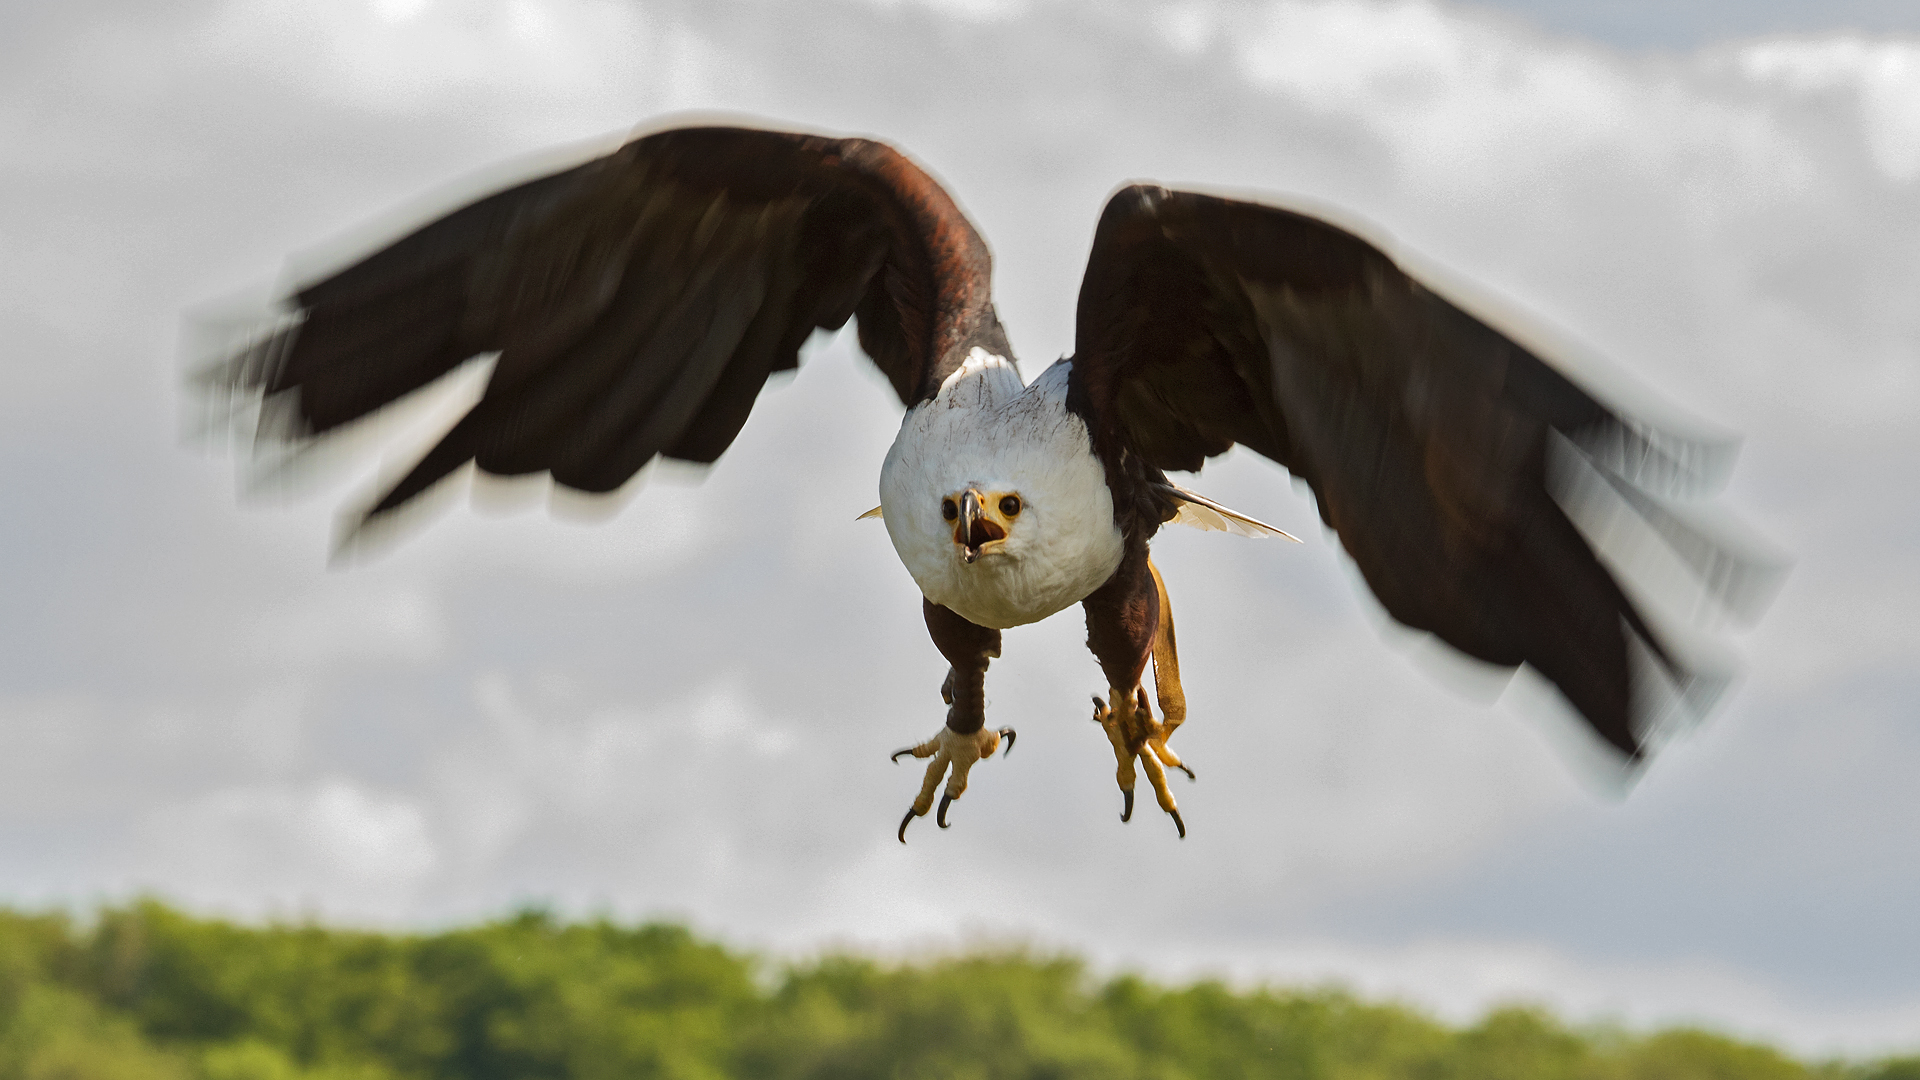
pixel 1884 74
pixel 331 846
pixel 416 56
pixel 968 10
pixel 1453 94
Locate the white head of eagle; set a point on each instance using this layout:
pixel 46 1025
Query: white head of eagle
pixel 1008 447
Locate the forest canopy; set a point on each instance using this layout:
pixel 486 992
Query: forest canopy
pixel 147 992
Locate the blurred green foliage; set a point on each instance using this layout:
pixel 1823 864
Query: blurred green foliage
pixel 145 992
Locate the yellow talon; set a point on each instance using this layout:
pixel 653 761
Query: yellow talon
pixel 1132 729
pixel 948 749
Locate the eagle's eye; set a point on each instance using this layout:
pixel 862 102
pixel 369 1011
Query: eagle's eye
pixel 948 510
pixel 1010 505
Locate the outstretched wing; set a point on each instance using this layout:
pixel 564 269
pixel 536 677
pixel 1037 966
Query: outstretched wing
pixel 637 303
pixel 1424 433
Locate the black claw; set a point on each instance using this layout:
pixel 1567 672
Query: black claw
pixel 1188 771
pixel 1127 814
pixel 941 817
pixel 896 756
pixel 1008 734
pixel 1099 707
pixel 1181 825
pixel 903 824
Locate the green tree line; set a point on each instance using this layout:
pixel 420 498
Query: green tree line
pixel 147 992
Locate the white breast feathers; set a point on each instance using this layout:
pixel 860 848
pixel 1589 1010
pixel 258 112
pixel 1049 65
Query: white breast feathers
pixel 988 433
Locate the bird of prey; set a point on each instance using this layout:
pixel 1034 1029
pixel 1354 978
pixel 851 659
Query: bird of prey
pixel 638 302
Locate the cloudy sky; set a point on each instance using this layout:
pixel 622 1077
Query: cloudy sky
pixel 683 709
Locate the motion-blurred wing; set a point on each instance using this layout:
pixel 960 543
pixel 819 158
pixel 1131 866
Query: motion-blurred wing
pixel 1424 433
pixel 638 303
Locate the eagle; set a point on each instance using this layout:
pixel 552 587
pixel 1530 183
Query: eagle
pixel 636 304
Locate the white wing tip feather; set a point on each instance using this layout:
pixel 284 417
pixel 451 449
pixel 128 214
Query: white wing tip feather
pixel 1201 512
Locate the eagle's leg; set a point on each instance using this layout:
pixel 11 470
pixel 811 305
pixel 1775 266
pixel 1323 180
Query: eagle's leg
pixel 1126 620
pixel 1166 680
pixel 965 739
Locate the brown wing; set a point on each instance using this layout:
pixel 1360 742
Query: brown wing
pixel 1424 432
pixel 638 303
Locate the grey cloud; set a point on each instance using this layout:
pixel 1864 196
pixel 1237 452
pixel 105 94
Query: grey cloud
pixel 1649 24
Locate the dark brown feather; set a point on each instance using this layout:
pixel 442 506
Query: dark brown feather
pixel 1423 432
pixel 637 303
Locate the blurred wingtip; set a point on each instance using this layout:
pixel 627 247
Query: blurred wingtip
pixel 367 532
pixel 1668 459
pixel 1673 696
pixel 1673 689
pixel 230 350
pixel 231 353
pixel 1697 562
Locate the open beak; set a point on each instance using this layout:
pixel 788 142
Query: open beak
pixel 969 522
pixel 974 530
